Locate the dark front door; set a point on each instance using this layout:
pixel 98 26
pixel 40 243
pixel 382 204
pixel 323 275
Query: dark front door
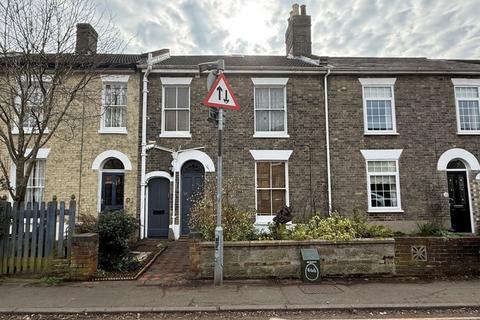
pixel 158 207
pixel 112 191
pixel 192 185
pixel 458 197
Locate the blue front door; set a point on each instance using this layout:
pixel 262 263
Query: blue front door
pixel 192 186
pixel 112 191
pixel 158 207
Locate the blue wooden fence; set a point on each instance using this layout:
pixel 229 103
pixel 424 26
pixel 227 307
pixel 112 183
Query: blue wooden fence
pixel 32 235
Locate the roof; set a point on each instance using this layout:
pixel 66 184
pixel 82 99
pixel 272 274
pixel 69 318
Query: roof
pixel 101 60
pixel 237 62
pixel 374 64
pixel 321 63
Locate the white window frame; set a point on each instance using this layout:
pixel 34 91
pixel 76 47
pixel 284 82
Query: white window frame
pixel 112 80
pixel 29 130
pixel 42 154
pixel 268 83
pixel 175 82
pixel 383 155
pixel 379 82
pixel 465 83
pixel 271 156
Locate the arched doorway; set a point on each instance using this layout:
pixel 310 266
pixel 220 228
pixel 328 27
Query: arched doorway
pixel 158 207
pixel 192 177
pixel 113 185
pixel 459 196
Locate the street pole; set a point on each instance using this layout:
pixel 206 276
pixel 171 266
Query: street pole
pixel 218 272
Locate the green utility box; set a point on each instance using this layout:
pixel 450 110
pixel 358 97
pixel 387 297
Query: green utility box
pixel 310 265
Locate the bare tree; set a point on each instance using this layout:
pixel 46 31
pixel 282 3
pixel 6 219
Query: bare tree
pixel 42 74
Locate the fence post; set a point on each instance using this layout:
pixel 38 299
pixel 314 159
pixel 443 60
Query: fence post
pixel 61 224
pixel 71 224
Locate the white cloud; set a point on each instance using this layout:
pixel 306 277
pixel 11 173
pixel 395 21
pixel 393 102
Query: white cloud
pixel 436 29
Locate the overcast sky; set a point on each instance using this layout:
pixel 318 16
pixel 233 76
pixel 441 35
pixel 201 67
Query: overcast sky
pixel 431 28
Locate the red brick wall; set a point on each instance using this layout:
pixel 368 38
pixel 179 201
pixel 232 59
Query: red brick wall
pixel 84 260
pixel 444 256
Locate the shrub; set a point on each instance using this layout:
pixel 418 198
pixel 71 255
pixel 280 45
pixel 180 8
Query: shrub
pixel 87 223
pixel 237 224
pixel 115 228
pixel 432 230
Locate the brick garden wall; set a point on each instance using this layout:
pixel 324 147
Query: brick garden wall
pixel 84 259
pixel 429 256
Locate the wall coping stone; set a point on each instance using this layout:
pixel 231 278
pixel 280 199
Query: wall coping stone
pixel 279 243
pixel 85 236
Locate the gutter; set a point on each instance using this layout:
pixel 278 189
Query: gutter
pixel 143 182
pixel 327 140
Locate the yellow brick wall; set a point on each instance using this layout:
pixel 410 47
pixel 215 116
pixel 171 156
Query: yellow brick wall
pixel 67 165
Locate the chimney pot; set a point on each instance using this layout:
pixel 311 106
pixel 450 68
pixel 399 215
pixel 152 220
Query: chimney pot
pixel 87 39
pixel 303 9
pixel 295 9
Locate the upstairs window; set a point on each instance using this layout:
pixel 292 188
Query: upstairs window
pixel 270 104
pixel 176 107
pixel 378 105
pixel 114 106
pixel 468 109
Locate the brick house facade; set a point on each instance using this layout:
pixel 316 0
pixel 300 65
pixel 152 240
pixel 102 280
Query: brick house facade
pixel 76 160
pixel 394 136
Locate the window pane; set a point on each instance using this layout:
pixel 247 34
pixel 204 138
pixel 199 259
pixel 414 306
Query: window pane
pixel 263 174
pixel 277 120
pixel 261 98
pixel 262 121
pixel 182 97
pixel 469 115
pixel 263 202
pixel 377 92
pixel 379 115
pixel 182 120
pixel 383 191
pixel 170 120
pixel 466 92
pixel 170 97
pixel 278 174
pixel 276 98
pixel 278 200
pixel 382 166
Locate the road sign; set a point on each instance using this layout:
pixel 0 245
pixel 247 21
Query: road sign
pixel 221 95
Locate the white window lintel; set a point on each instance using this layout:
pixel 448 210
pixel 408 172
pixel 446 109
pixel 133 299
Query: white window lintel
pixel 377 81
pixel 269 81
pixel 115 78
pixel 41 154
pixel 176 81
pixel 271 155
pixel 465 82
pixel 381 154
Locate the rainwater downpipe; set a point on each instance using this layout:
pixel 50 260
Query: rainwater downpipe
pixel 143 183
pixel 327 141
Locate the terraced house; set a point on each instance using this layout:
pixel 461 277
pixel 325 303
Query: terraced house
pixel 93 156
pixel 395 137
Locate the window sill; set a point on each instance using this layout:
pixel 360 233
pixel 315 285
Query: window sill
pixel 468 133
pixel 29 131
pixel 185 135
pixel 385 210
pixel 271 135
pixel 381 133
pixel 121 130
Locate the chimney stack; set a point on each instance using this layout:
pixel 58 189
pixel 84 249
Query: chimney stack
pixel 87 39
pixel 298 38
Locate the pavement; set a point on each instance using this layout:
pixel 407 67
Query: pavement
pixel 18 296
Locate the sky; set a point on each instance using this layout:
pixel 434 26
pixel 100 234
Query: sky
pixel 401 28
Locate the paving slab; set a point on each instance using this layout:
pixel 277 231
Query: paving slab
pixel 132 296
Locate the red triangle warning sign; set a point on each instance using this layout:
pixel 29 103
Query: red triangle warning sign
pixel 221 95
